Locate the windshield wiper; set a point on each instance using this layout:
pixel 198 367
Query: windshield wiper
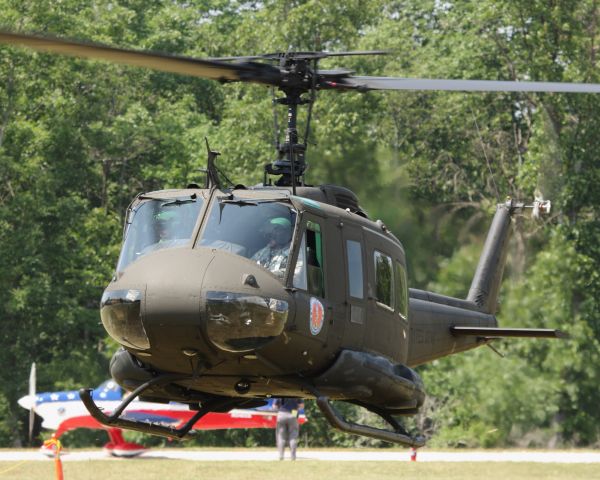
pixel 241 203
pixel 179 201
pixel 148 197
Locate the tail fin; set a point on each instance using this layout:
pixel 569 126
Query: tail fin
pixel 488 276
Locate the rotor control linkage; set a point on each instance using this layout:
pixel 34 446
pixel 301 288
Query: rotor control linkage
pixel 398 435
pixel 115 420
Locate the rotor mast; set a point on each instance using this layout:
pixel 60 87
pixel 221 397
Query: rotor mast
pixel 290 165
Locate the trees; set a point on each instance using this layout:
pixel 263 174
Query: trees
pixel 78 139
pixel 516 145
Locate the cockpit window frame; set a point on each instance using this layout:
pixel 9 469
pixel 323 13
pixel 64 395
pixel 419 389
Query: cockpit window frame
pixel 303 217
pixel 296 242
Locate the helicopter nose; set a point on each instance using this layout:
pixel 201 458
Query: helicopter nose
pixel 174 303
pixel 241 322
pixel 245 307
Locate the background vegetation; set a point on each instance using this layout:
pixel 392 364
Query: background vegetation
pixel 79 139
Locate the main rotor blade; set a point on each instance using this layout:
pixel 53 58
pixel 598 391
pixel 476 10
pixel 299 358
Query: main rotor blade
pixel 301 55
pixel 394 83
pixel 248 71
pixel 210 69
pixel 357 52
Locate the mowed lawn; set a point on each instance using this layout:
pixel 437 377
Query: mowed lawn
pixel 151 469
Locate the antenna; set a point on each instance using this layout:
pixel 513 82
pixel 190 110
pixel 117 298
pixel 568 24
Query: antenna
pixel 212 174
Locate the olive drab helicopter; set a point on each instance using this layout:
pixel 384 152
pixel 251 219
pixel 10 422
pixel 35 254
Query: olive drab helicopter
pixel 224 295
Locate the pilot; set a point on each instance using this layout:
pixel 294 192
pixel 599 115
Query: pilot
pixel 166 232
pixel 274 255
pixel 165 222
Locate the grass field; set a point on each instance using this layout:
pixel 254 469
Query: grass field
pixel 153 469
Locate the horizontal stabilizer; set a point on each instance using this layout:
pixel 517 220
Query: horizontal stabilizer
pixel 490 332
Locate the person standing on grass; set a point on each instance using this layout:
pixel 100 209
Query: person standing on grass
pixel 288 428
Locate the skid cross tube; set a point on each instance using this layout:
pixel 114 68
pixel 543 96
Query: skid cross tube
pixel 398 436
pixel 115 420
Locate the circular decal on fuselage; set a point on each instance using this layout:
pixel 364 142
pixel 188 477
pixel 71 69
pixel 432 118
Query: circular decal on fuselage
pixel 317 315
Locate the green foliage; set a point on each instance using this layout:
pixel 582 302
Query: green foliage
pixel 78 139
pixel 537 395
pixel 6 436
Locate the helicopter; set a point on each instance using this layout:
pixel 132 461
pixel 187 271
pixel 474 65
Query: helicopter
pixel 225 295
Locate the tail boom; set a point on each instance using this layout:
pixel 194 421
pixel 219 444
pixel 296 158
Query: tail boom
pixel 442 325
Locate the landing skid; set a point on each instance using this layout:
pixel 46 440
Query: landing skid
pixel 115 420
pixel 397 435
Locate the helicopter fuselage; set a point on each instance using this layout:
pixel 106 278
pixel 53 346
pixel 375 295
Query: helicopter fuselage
pixel 335 317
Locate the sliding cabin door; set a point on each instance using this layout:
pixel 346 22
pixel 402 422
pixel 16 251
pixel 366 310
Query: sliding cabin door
pixel 356 286
pixel 384 326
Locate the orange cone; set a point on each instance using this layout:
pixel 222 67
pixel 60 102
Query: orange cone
pixel 413 454
pixel 54 443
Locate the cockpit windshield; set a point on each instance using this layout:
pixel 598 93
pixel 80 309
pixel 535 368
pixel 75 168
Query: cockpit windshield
pixel 159 223
pixel 260 231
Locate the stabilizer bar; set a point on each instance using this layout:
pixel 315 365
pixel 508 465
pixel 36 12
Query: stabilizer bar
pixel 491 332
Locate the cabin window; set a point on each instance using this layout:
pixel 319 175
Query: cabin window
pixel 308 274
pixel 355 268
pixel 401 290
pixel 384 279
